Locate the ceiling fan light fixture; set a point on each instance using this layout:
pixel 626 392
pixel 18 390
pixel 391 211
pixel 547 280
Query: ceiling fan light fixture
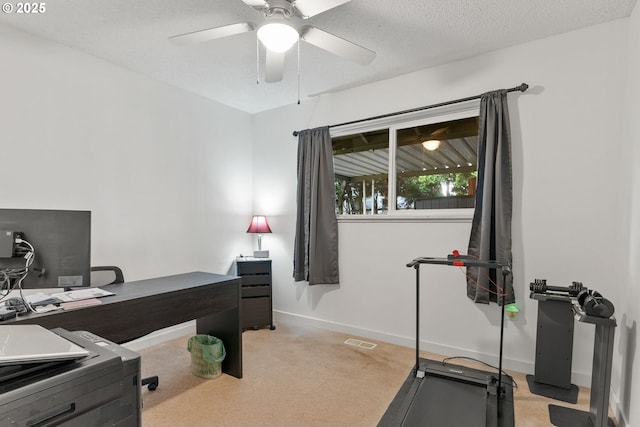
pixel 277 36
pixel 432 144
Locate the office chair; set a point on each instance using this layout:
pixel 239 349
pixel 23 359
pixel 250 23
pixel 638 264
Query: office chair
pixel 108 275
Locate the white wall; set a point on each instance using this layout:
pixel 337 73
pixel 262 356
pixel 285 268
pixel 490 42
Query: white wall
pixel 166 174
pixel 566 154
pixel 169 178
pixel 627 369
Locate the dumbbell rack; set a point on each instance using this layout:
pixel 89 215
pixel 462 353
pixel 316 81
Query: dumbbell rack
pixel 600 377
pixel 554 341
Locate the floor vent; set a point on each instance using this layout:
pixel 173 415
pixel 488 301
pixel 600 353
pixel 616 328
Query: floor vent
pixel 362 344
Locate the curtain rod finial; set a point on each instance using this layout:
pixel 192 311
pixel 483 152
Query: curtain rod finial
pixel 523 87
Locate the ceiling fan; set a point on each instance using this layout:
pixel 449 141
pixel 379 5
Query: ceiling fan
pixel 279 32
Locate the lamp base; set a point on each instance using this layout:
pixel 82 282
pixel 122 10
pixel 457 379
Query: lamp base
pixel 261 254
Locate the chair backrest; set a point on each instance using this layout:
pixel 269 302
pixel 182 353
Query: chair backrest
pixel 106 275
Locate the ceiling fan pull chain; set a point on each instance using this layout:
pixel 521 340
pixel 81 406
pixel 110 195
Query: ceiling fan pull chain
pixel 257 61
pixel 298 71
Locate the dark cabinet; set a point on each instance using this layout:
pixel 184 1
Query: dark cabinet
pixel 257 308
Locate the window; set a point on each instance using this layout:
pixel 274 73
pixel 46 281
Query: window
pixel 407 166
pixel 361 168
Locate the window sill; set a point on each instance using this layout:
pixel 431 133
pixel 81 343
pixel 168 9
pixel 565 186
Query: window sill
pixel 440 215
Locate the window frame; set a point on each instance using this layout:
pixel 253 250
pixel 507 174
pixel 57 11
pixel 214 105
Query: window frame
pixel 392 124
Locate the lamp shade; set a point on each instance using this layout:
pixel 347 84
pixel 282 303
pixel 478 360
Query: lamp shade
pixel 277 36
pixel 259 225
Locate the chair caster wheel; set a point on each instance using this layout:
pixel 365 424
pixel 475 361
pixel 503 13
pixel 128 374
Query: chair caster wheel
pixel 151 382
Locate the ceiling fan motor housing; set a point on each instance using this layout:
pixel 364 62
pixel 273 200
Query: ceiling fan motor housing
pixel 278 9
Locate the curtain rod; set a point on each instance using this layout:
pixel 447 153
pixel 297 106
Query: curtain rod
pixel 522 88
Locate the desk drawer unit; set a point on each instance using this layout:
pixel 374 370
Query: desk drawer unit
pixel 257 305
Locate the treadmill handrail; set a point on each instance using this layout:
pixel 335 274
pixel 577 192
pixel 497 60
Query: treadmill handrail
pixel 461 261
pixel 456 259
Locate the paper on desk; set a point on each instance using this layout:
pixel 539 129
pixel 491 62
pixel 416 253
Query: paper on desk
pixel 46 308
pixel 70 305
pixel 82 294
pixel 40 298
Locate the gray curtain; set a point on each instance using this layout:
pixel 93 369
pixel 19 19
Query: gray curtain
pixel 491 227
pixel 315 253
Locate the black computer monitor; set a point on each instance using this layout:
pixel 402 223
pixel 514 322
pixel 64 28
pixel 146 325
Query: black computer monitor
pixel 61 241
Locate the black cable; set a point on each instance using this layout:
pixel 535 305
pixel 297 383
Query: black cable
pixel 12 277
pixel 513 382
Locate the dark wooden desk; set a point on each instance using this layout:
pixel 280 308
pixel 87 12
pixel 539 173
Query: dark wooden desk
pixel 144 306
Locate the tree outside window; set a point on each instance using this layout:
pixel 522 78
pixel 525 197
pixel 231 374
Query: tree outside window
pixel 434 167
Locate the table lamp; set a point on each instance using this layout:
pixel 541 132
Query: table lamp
pixel 259 225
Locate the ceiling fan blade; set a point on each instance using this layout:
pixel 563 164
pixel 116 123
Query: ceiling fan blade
pixel 336 45
pixel 258 4
pixel 213 33
pixel 309 8
pixel 274 66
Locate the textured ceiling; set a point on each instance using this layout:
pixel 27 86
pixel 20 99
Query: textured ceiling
pixel 407 35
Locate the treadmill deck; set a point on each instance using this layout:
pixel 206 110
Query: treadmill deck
pixel 451 395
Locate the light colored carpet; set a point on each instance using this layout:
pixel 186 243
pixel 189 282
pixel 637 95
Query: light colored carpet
pixel 297 376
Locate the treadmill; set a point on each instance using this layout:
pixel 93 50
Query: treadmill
pixel 439 393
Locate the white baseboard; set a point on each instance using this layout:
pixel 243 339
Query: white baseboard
pixel 580 379
pixel 188 328
pixel 614 401
pixel 162 335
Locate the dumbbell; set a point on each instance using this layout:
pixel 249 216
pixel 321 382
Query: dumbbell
pixel 540 286
pixel 594 304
